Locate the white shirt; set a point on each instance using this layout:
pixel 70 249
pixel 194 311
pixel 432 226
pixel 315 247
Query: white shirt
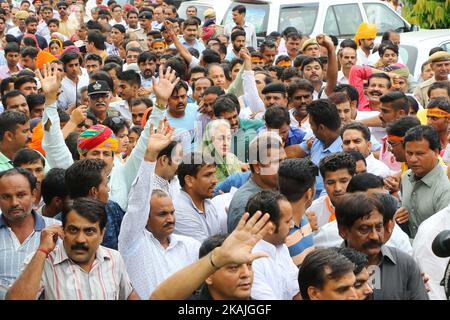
pixel 363 60
pixel 148 262
pixel 222 202
pixel 341 79
pixel 123 108
pixel 250 33
pixel 15 32
pixel 275 277
pixel 193 222
pixel 328 236
pixel 112 22
pixel 320 207
pixel 377 167
pixel 305 126
pixel 428 262
pixel 70 89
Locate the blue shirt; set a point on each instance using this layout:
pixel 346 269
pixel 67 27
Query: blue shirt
pixel 295 135
pixel 302 239
pixel 13 253
pixel 197 45
pixel 185 127
pixel 318 152
pixel 115 215
pixel 235 180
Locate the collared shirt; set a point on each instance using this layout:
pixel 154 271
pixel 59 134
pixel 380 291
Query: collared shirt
pixel 276 276
pixel 397 277
pixel 148 262
pixel 198 45
pixel 69 90
pixel 193 222
pixel 6 73
pixel 122 107
pixel 328 236
pixel 432 265
pixel 318 152
pixel 62 279
pixel 323 209
pixel 424 197
pixel 13 253
pixel 304 125
pixel 250 33
pixel 421 91
pixel 236 180
pixel 377 167
pixel 5 163
pixel 341 78
pixel 146 83
pixel 15 32
pixel 172 188
pixel 239 201
pixel 110 112
pixel 300 241
pixel 111 49
pixel 363 60
pixel 43 30
pixel 295 135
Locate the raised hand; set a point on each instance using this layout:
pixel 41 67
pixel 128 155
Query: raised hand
pixel 237 247
pixel 163 88
pixel 324 41
pixel 246 56
pixel 312 218
pixel 402 215
pixel 50 82
pixel 170 29
pixel 79 114
pixel 49 236
pixel 158 140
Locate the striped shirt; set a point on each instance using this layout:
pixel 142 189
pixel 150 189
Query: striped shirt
pixel 13 253
pixel 300 241
pixel 62 279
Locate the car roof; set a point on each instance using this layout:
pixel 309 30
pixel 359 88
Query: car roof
pixel 284 2
pixel 424 35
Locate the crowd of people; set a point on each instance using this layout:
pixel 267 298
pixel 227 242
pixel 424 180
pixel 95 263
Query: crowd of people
pixel 147 156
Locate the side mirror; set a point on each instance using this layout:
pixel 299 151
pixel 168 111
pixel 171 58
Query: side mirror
pixel 414 27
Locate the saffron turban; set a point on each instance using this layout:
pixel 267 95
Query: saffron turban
pixel 365 31
pixel 97 136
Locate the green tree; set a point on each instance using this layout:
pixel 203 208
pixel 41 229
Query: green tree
pixel 428 14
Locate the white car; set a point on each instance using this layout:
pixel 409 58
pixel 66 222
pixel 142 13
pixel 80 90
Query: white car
pixel 220 6
pixel 415 46
pixel 340 18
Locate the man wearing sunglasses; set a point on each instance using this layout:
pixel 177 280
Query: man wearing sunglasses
pixel 65 27
pixel 99 99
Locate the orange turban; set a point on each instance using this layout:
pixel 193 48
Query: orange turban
pixel 365 31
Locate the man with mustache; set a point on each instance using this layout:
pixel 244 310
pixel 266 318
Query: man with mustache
pixel 147 64
pixel 300 94
pixel 361 224
pixel 79 268
pixel 150 249
pixel 238 42
pixel 337 170
pixel 196 216
pixel 20 225
pixel 347 59
pixel 88 178
pixel 15 134
pixel 99 95
pixel 425 186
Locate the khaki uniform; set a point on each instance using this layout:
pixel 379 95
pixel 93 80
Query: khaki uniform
pixel 421 92
pixel 141 36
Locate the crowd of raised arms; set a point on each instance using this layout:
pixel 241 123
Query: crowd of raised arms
pixel 145 156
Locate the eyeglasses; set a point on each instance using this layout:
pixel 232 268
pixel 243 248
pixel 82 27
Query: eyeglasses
pixel 391 145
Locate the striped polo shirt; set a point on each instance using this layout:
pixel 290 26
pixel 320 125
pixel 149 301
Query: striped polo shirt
pixel 300 241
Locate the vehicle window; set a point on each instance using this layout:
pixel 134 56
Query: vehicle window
pixel 257 14
pixel 302 17
pixel 408 54
pixel 200 10
pixel 383 17
pixel 342 20
pixel 446 46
